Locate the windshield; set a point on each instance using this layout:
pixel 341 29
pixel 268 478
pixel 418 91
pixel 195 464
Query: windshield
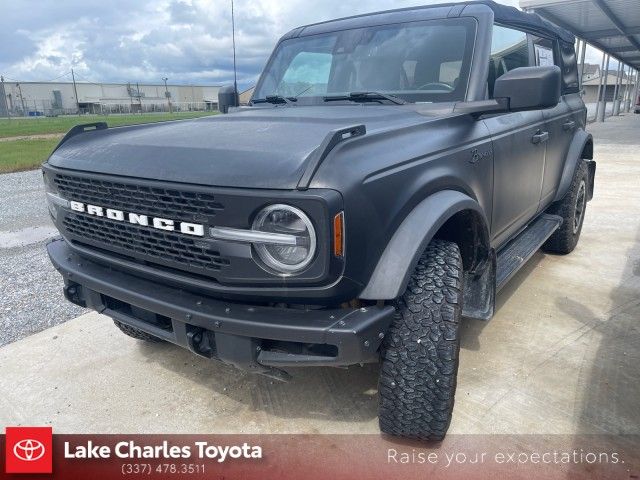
pixel 418 61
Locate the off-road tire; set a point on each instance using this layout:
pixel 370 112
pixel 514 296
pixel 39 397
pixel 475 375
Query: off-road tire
pixel 136 333
pixel 565 238
pixel 420 352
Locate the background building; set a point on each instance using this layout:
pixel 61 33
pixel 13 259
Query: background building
pixel 591 82
pixel 591 71
pixel 58 98
pixel 246 95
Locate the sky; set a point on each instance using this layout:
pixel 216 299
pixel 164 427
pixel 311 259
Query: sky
pixel 188 41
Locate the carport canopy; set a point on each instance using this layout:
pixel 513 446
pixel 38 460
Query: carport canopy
pixel 612 26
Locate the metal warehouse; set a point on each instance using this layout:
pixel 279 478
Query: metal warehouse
pixel 57 98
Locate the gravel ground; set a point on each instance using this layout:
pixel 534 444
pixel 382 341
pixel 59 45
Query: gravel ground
pixel 31 297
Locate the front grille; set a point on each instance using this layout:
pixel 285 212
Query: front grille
pixel 189 259
pixel 167 248
pixel 159 202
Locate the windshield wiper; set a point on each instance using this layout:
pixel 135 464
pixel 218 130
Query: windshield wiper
pixel 275 99
pixel 365 97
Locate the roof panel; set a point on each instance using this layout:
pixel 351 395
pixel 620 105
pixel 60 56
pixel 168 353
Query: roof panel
pixel 627 12
pixel 614 42
pixel 584 16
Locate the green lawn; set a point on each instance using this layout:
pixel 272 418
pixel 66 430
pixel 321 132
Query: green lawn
pixel 43 125
pixel 24 154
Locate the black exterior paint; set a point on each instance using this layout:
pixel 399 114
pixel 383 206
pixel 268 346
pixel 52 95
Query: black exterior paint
pixel 413 171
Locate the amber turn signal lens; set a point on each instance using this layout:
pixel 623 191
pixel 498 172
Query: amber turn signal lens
pixel 338 235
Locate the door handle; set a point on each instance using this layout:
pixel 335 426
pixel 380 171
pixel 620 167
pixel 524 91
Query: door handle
pixel 540 137
pixel 569 126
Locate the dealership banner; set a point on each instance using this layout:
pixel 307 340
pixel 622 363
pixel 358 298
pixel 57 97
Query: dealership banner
pixel 37 452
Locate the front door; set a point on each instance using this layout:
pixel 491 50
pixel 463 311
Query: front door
pixel 519 141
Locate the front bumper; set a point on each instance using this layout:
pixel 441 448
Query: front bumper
pixel 256 338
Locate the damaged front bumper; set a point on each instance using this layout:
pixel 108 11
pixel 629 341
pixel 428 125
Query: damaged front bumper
pixel 261 339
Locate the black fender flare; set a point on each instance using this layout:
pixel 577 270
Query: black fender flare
pixel 400 257
pixel 574 155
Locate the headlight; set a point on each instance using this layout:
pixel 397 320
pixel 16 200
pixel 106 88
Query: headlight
pixel 297 246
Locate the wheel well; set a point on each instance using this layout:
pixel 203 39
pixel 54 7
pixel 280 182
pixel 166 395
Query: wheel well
pixel 467 229
pixel 587 150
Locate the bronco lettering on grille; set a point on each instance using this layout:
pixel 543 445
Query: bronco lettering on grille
pixel 137 219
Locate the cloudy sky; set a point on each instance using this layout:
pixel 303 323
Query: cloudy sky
pixel 188 41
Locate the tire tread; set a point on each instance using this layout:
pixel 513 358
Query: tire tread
pixel 420 352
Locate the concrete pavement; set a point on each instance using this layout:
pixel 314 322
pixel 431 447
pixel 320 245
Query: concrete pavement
pixel 560 356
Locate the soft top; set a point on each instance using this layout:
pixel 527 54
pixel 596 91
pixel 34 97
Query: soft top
pixel 531 22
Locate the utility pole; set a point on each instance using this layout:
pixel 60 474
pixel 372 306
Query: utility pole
pixel 24 110
pixel 233 36
pixel 130 90
pixel 139 96
pixel 166 94
pixel 4 99
pixel 75 91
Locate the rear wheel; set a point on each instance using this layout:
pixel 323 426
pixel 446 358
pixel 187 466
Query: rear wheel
pixel 420 352
pixel 572 209
pixel 136 333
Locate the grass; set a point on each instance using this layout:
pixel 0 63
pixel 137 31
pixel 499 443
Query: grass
pixel 26 154
pixel 45 125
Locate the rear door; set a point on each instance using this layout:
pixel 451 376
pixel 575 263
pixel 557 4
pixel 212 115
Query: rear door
pixel 562 120
pixel 518 143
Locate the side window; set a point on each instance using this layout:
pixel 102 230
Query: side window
pixel 543 50
pixel 509 50
pixel 308 73
pixel 450 72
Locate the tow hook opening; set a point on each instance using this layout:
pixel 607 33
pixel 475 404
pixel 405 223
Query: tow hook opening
pixel 201 342
pixel 241 352
pixel 73 293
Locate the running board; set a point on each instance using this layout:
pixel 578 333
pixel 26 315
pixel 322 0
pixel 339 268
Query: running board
pixel 516 253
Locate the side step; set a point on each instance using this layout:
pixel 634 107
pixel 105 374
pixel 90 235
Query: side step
pixel 516 253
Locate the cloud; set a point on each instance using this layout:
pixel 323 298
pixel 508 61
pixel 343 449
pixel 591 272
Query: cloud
pixel 188 41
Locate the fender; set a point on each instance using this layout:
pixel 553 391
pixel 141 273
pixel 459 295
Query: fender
pixel 400 257
pixel 574 155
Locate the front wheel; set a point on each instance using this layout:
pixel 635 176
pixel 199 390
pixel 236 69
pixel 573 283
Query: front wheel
pixel 420 352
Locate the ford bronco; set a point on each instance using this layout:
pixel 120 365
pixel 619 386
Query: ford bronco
pixel 390 174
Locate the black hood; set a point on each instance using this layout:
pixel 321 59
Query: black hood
pixel 255 148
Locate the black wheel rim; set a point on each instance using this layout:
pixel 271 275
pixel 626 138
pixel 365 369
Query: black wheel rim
pixel 580 204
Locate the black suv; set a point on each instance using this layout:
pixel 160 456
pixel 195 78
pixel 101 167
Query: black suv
pixel 389 176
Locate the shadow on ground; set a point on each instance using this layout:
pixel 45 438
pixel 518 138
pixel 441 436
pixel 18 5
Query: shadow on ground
pixel 316 393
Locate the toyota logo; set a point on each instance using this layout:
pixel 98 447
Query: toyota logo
pixel 28 450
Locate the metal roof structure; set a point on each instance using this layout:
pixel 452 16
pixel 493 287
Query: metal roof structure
pixel 612 26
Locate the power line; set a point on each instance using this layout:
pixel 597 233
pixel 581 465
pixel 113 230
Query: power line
pixel 59 76
pixel 37 81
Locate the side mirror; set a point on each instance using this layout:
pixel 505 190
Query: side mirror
pixel 227 97
pixel 523 88
pixel 529 88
